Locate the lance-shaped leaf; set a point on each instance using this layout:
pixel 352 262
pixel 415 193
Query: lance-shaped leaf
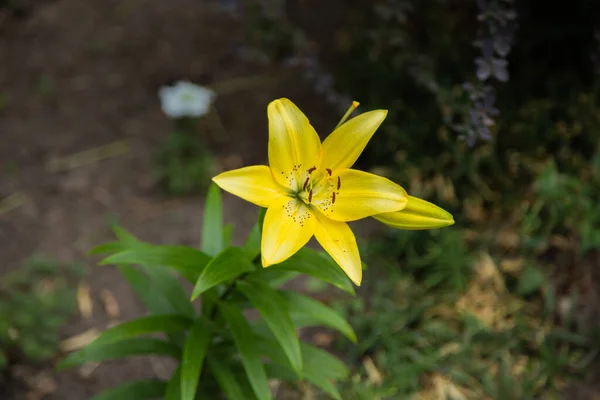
pixel 121 349
pixel 252 245
pixel 320 362
pixel 170 287
pixel 227 235
pixel 272 307
pixel 320 367
pixel 212 228
pixel 144 326
pixel 277 278
pixel 140 390
pixel 173 390
pixel 145 289
pixel 285 374
pixel 150 296
pixel 194 351
pixel 229 382
pixel 187 261
pixel 110 247
pixel 125 237
pixel 245 342
pixel 314 263
pixel 229 264
pixel 309 312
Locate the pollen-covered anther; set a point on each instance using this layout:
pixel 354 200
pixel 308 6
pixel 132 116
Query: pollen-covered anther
pixel 339 183
pixel 329 171
pixel 305 183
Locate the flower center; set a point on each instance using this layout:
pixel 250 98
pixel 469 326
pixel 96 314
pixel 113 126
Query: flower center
pixel 187 97
pixel 320 188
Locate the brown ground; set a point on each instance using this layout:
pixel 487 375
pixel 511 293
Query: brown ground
pixel 77 75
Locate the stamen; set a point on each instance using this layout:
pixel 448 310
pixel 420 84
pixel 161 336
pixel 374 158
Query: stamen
pixel 311 170
pixel 305 183
pixel 310 196
pixel 339 183
pixel 333 198
pixel 328 171
pixel 353 107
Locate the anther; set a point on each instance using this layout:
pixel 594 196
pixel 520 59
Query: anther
pixel 305 183
pixel 339 183
pixel 310 171
pixel 333 197
pixel 310 196
pixel 328 171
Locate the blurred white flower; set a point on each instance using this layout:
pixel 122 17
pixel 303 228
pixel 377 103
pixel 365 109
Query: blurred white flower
pixel 185 99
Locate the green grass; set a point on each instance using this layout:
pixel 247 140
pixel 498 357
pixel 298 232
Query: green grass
pixel 35 302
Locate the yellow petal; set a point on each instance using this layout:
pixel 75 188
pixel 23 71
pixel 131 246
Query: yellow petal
pixel 294 146
pixel 418 214
pixel 343 146
pixel 338 240
pixel 350 194
pixel 254 184
pixel 288 226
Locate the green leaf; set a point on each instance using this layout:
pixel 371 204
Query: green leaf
pixel 126 237
pixel 320 362
pixel 229 264
pixel 194 352
pixel 280 372
pixel 308 312
pixel 122 349
pixel 261 219
pixel 185 260
pixel 278 278
pixel 170 287
pixel 212 228
pixel 314 263
pixel 272 308
pixel 140 390
pixel 530 280
pixel 110 247
pixel 286 374
pixel 227 235
pixel 252 245
pixel 245 341
pixel 3 360
pixel 145 289
pixel 173 390
pixel 227 380
pixel 320 368
pixel 144 326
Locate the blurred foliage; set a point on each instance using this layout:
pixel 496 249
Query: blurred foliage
pixel 35 302
pixel 503 305
pixel 184 163
pixel 424 333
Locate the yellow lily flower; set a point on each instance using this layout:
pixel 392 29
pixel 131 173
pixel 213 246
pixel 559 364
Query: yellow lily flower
pixel 418 214
pixel 309 188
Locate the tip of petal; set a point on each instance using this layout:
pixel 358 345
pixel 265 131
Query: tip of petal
pixel 218 180
pixel 380 115
pixel 265 263
pixel 279 102
pixel 418 214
